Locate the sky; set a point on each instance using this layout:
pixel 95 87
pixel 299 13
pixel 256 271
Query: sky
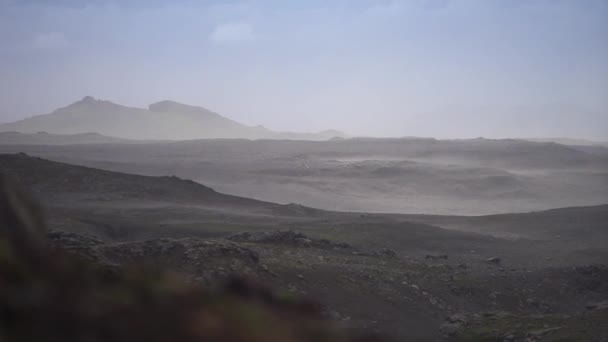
pixel 441 68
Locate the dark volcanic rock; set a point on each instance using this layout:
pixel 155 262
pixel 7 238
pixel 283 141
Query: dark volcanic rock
pixel 207 258
pixel 494 260
pixel 286 237
pixel 81 245
pixel 386 252
pixel 436 257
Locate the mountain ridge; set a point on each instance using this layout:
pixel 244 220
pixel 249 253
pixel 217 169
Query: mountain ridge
pixel 163 120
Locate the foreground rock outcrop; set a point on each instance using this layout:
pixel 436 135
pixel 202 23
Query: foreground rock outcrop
pixel 287 237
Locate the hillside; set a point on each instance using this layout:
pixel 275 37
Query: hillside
pixel 165 120
pixel 127 206
pixel 52 181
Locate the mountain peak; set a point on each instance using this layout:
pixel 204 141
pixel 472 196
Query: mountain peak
pixel 168 106
pixel 89 102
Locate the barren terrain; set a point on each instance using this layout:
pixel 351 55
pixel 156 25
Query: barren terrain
pixel 410 175
pixel 422 277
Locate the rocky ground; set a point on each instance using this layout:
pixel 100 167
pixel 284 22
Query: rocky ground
pixel 68 287
pixel 379 292
pixel 412 277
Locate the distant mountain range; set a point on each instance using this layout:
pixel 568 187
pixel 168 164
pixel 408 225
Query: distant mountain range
pixel 165 120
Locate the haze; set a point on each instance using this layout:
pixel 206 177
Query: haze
pixel 378 68
pixel 273 170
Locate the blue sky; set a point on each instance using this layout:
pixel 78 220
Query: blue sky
pixel 441 68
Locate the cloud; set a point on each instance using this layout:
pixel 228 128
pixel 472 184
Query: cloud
pixel 50 40
pixel 232 33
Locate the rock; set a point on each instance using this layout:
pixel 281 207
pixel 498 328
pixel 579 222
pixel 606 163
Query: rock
pixel 538 334
pixel 303 242
pixel 436 257
pixel 603 305
pixel 212 259
pixel 509 338
pixel 385 252
pixel 533 302
pixel 84 246
pixel 449 329
pixel 335 315
pixel 457 318
pixel 300 276
pixel 287 237
pixel 494 260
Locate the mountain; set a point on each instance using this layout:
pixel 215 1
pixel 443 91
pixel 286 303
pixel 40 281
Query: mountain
pixel 165 120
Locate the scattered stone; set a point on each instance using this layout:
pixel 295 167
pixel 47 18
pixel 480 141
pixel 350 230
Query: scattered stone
pixel 385 252
pixel 449 329
pixel 603 305
pixel 287 237
pixel 494 260
pixel 538 334
pixel 457 318
pixel 509 338
pixel 436 257
pixel 335 315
